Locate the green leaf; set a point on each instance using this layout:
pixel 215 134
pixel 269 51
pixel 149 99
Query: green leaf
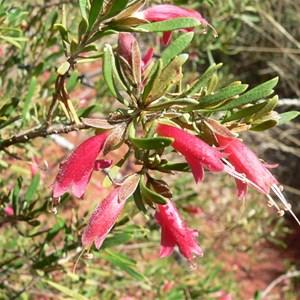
pixel 95 11
pixel 28 98
pixel 204 78
pixel 176 47
pixel 82 7
pixel 16 194
pixel 108 71
pixel 5 122
pixel 65 290
pixel 72 81
pixel 181 167
pixel 63 32
pixel 138 200
pixel 151 195
pixel 118 238
pixel 165 102
pixel 8 108
pixel 119 261
pixel 148 143
pixel 270 105
pixel 220 96
pixel 33 187
pixel 260 92
pixel 60 223
pixel 169 25
pixel 245 112
pixel 264 125
pixel 288 116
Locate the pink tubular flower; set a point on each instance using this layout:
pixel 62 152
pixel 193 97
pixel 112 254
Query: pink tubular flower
pixel 166 12
pixel 197 153
pixel 248 169
pixel 103 219
pixel 246 162
pixel 175 232
pixel 125 49
pixel 76 171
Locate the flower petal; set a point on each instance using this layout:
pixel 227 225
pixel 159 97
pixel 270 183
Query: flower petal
pixel 76 171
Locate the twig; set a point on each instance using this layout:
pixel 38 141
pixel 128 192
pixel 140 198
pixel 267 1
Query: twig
pixel 40 132
pixel 278 280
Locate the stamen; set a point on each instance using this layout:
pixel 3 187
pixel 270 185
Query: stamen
pixel 270 204
pixel 280 213
pixel 278 193
pixel 272 201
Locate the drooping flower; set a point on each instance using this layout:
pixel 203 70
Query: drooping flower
pixel 125 43
pixel 251 171
pixel 164 12
pixel 246 162
pixel 174 232
pixel 103 219
pixel 76 171
pixel 197 153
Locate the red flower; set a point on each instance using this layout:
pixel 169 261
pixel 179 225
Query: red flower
pixel 248 169
pixel 175 232
pixel 125 49
pixel 103 219
pixel 246 162
pixel 197 153
pixel 76 171
pixel 165 12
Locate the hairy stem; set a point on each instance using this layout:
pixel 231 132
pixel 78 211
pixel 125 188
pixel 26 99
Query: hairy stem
pixel 40 132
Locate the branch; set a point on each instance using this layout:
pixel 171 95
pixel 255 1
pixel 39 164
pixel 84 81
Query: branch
pixel 40 132
pixel 278 280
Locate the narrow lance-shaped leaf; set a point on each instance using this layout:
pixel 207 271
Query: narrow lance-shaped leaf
pixel 218 97
pixel 108 71
pixel 270 105
pixel 288 116
pixel 148 143
pixel 262 91
pixel 245 112
pixel 174 49
pixel 33 187
pixel 29 96
pixel 204 78
pixel 95 11
pixel 82 7
pixel 169 25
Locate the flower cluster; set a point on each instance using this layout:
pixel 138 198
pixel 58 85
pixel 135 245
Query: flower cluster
pixel 147 88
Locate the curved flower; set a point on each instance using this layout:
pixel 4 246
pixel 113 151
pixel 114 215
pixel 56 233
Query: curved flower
pixel 252 171
pixel 197 153
pixel 76 171
pixel 174 232
pixel 103 219
pixel 164 12
pixel 246 162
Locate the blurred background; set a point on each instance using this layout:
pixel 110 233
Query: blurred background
pixel 250 253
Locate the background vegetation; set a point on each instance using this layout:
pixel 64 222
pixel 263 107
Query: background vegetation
pixel 245 246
